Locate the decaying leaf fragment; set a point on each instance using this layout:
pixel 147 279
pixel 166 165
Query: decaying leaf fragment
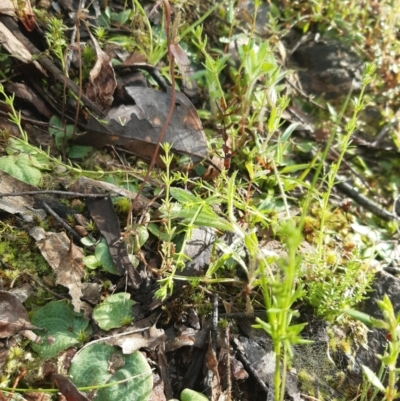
pixel 182 60
pixel 18 204
pixel 102 82
pixel 14 318
pixel 136 127
pixel 65 259
pixel 130 343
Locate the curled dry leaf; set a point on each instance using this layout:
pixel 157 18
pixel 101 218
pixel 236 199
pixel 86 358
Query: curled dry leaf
pixel 65 258
pixel 182 60
pixel 102 81
pixel 14 318
pixel 130 343
pixel 189 337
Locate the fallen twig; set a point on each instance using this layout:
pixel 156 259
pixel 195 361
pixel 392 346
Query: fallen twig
pixel 38 282
pixel 239 355
pixel 55 192
pixel 62 222
pixel 368 204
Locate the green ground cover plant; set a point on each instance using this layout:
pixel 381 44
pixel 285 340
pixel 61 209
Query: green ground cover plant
pixel 264 191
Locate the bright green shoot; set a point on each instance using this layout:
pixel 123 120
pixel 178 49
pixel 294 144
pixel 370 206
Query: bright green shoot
pixel 389 323
pixel 281 291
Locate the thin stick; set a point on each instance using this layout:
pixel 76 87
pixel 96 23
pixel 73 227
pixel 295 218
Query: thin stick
pixel 54 192
pixel 38 282
pixel 61 221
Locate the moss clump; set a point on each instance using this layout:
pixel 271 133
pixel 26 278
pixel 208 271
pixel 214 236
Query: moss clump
pixel 19 253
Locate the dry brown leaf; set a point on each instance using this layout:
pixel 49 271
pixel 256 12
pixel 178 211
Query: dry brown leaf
pixel 14 318
pixel 14 47
pixel 103 213
pixel 182 60
pixel 102 81
pixel 158 393
pixel 24 92
pixel 214 169
pixel 132 342
pixel 137 127
pixel 189 337
pixel 37 396
pixel 18 204
pixel 65 258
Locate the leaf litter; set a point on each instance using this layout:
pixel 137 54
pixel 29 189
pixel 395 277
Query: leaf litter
pixel 14 318
pixel 134 126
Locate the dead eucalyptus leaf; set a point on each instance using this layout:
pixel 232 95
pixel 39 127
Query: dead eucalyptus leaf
pixel 137 127
pixel 65 258
pixel 26 93
pixel 14 318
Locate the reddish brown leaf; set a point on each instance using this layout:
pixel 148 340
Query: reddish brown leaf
pixel 67 388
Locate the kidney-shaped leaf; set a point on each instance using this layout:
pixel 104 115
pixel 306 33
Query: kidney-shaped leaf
pixel 64 326
pixel 114 312
pixel 104 364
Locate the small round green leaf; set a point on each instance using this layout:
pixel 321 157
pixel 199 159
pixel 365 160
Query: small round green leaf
pixel 114 312
pixel 190 395
pixel 79 151
pixel 103 255
pixel 91 262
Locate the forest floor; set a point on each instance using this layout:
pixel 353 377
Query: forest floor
pixel 195 199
